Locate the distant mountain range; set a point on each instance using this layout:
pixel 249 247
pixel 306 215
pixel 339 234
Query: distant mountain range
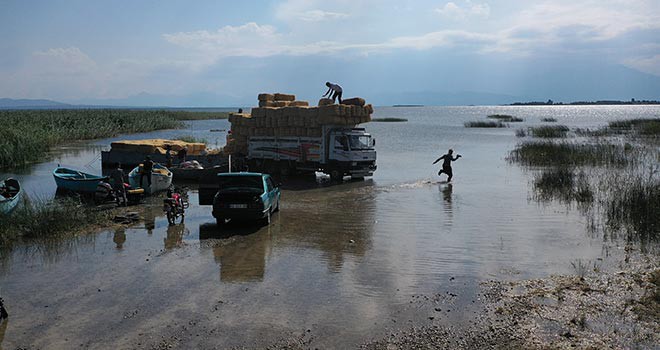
pixel 30 103
pixel 420 98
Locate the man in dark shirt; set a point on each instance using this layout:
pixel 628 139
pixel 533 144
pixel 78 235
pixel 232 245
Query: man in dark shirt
pixel 168 155
pixel 117 176
pixel 446 164
pixel 147 168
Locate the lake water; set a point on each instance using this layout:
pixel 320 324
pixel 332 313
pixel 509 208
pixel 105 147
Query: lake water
pixel 339 265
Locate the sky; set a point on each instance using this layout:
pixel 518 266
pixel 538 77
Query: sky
pixel 223 53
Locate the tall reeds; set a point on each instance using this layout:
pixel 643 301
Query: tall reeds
pixel 36 219
pixel 547 153
pixel 25 135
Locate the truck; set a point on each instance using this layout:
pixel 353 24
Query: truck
pixel 340 151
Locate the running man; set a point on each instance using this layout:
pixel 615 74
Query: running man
pixel 446 164
pixel 334 91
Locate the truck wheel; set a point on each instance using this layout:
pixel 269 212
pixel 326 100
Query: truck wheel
pixel 336 176
pixel 285 169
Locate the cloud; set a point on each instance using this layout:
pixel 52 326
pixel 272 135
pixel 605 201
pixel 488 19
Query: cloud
pixel 250 39
pixel 318 16
pixel 457 12
pixel 650 65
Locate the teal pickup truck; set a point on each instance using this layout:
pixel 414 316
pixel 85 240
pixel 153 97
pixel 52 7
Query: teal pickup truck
pixel 241 196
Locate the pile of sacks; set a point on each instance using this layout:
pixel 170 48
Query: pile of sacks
pixel 281 115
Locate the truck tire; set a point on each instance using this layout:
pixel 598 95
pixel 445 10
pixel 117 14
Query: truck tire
pixel 336 175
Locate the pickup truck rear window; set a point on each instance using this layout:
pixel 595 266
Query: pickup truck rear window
pixel 241 182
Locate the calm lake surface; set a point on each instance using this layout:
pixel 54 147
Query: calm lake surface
pixel 343 263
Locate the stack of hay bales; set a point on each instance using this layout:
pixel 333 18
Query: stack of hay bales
pixel 158 146
pixel 281 115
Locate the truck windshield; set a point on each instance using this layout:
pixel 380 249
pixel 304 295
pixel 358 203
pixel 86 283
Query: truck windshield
pixel 241 182
pixel 360 142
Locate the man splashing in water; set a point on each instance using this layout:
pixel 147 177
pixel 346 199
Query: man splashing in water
pixel 446 164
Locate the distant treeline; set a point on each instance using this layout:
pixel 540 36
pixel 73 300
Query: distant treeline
pixel 581 103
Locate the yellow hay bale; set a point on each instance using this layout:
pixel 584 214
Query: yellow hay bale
pixel 258 112
pixel 328 110
pixel 284 97
pixel 355 101
pixel 266 97
pixel 325 102
pixel 299 103
pixel 153 145
pixel 268 104
pixel 280 103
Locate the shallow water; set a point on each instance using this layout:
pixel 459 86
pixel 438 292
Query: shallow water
pixel 339 264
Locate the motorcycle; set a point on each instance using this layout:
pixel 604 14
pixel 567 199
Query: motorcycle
pixel 175 206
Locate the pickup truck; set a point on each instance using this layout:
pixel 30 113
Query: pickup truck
pixel 241 196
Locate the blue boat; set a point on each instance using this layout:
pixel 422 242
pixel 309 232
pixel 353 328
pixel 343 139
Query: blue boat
pixel 10 195
pixel 76 181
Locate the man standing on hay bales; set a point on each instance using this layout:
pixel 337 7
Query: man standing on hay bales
pixel 334 91
pixel 446 164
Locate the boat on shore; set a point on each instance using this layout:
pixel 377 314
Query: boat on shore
pixel 161 178
pixel 68 179
pixel 10 195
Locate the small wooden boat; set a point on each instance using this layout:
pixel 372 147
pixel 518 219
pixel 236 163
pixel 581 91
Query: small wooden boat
pixel 76 181
pixel 161 179
pixel 10 195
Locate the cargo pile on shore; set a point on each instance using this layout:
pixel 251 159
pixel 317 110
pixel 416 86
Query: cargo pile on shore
pixel 282 115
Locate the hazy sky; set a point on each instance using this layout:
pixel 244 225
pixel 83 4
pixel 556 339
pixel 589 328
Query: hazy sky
pixel 228 51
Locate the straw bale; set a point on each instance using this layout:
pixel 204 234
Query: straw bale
pixel 281 103
pixel 328 110
pixel 299 103
pixel 269 104
pixel 266 97
pixel 284 97
pixel 370 109
pixel 258 112
pixel 355 101
pixel 326 101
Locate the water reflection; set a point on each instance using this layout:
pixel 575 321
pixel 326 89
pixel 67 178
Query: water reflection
pixel 243 258
pixel 174 237
pixel 447 194
pixel 119 237
pixel 3 329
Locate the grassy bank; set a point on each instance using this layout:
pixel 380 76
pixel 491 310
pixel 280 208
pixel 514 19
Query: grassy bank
pixel 39 219
pixel 389 120
pixel 480 124
pixel 554 131
pixel 26 135
pixel 505 118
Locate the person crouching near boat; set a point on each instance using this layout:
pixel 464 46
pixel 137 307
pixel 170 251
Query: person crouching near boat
pixel 117 176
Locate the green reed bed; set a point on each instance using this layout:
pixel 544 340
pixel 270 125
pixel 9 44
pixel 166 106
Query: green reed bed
pixel 554 131
pixel 26 135
pixel 547 153
pixel 481 124
pixel 47 219
pixel 389 120
pixel 563 184
pixel 635 205
pixel 641 126
pixel 505 118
